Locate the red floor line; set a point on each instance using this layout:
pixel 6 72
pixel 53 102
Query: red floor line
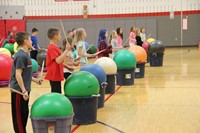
pixel 112 94
pixel 76 127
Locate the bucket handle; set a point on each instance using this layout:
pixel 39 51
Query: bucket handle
pixel 98 95
pixel 104 84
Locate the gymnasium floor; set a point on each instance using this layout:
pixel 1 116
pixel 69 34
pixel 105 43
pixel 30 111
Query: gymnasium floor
pixel 167 100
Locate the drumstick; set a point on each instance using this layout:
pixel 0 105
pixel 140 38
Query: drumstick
pixel 63 30
pixel 41 73
pixel 16 91
pixel 100 52
pixel 88 48
pixel 149 35
pixel 1 40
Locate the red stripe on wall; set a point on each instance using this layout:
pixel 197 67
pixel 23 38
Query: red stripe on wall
pixel 128 15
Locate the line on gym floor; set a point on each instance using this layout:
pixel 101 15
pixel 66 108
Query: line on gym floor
pixel 110 127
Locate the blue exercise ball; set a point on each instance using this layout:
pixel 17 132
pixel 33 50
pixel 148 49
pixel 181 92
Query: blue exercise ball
pixel 97 71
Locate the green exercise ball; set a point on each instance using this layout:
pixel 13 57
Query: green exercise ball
pixel 34 65
pixel 92 49
pixel 125 59
pixel 81 84
pixel 10 47
pixel 51 105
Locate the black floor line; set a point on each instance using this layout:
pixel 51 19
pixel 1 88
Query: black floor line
pixel 110 127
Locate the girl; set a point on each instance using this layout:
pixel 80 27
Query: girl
pixel 69 61
pixel 119 36
pixel 102 44
pixel 139 41
pixel 132 36
pixel 80 36
pixel 142 34
pixel 114 42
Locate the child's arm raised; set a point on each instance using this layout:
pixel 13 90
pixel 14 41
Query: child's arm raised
pixel 60 59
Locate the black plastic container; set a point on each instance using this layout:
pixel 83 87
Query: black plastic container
pixel 85 109
pixel 125 76
pixel 110 89
pixel 59 124
pixel 140 70
pixel 156 59
pixel 102 95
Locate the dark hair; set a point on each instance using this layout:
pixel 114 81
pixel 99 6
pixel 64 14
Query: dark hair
pixel 118 32
pixel 52 32
pixel 69 31
pixel 20 37
pixel 102 37
pixel 34 30
pixel 69 39
pixel 9 31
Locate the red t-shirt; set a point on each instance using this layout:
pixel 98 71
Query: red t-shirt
pixel 54 70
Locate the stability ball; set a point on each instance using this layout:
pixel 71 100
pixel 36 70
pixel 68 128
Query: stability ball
pixel 34 65
pixel 92 49
pixel 145 45
pixel 96 70
pixel 156 47
pixel 150 40
pixel 139 52
pixel 10 47
pixel 107 64
pixel 125 59
pixel 41 56
pixel 81 84
pixel 5 67
pixel 15 47
pixel 51 105
pixel 5 51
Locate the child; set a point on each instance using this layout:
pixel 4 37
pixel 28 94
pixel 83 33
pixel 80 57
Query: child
pixel 79 41
pixel 102 44
pixel 54 60
pixel 142 34
pixel 20 80
pixel 10 34
pixel 119 36
pixel 35 46
pixel 114 43
pixel 139 41
pixel 132 36
pixel 69 61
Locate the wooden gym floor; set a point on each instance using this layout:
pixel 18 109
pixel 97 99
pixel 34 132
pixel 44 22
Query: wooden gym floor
pixel 167 100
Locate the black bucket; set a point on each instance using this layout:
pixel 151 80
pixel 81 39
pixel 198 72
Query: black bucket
pixel 125 76
pixel 156 59
pixel 57 124
pixel 140 70
pixel 85 109
pixel 102 95
pixel 110 88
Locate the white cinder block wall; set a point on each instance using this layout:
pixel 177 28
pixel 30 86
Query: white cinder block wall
pixel 95 7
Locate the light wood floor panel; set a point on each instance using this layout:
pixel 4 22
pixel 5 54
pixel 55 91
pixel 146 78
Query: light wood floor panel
pixel 167 100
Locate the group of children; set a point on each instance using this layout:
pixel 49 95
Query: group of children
pixel 137 36
pixel 59 64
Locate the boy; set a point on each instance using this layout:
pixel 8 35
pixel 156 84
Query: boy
pixel 54 60
pixel 20 80
pixel 35 46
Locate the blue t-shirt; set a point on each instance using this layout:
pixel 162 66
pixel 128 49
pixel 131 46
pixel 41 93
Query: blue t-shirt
pixel 34 40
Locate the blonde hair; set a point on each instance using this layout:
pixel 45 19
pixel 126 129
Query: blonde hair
pixel 112 34
pixel 79 35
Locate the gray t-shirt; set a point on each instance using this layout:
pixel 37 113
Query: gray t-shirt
pixel 21 60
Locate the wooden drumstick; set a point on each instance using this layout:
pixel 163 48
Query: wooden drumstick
pixel 16 91
pixel 63 30
pixel 41 73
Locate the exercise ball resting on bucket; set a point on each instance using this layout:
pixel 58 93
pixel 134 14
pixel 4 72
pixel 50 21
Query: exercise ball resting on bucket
pixel 52 109
pixel 82 89
pixel 156 52
pixel 110 69
pixel 126 63
pixel 100 74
